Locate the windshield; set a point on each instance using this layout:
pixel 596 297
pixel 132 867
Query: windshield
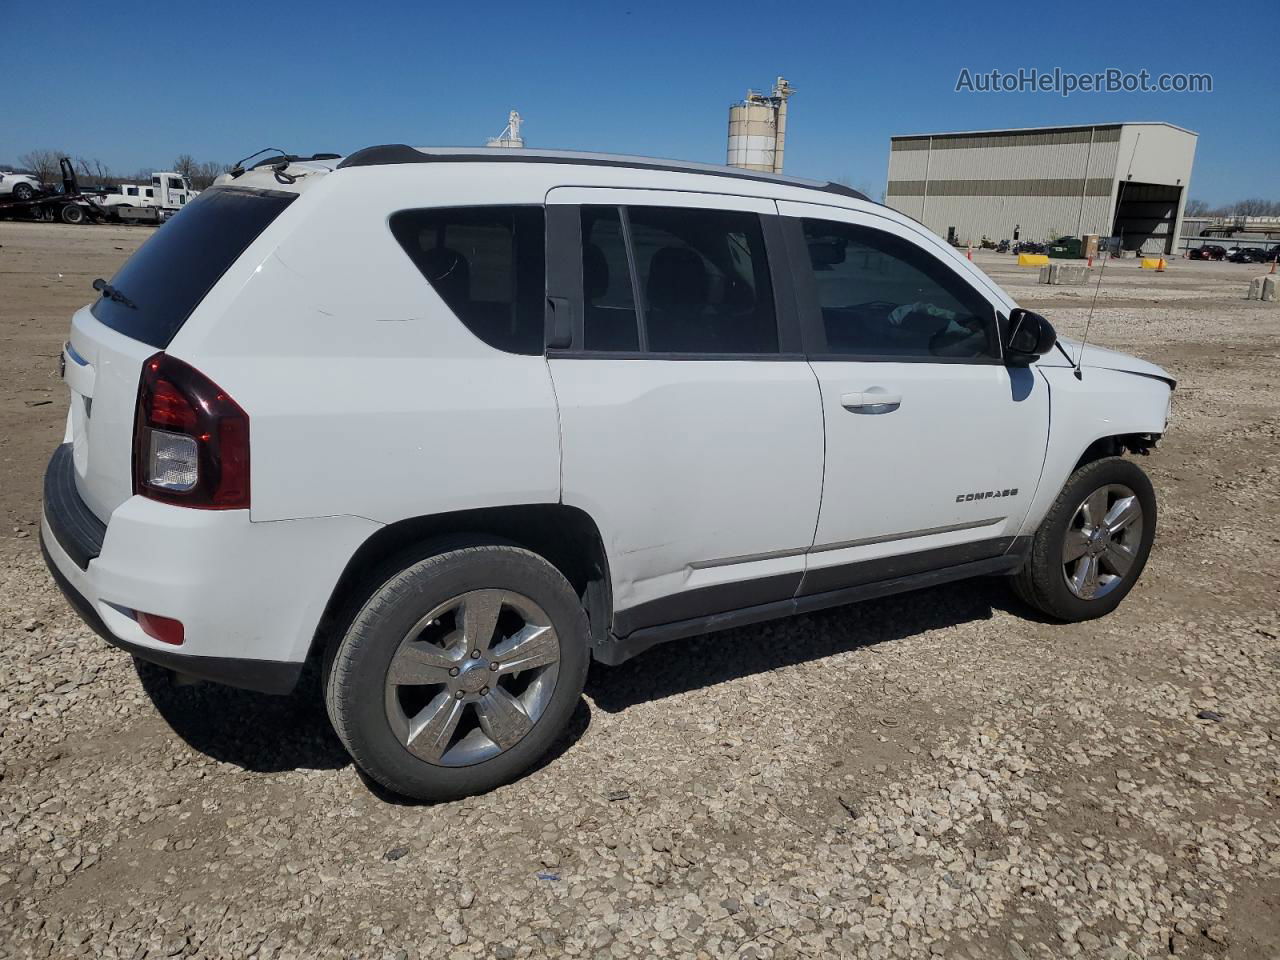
pixel 171 273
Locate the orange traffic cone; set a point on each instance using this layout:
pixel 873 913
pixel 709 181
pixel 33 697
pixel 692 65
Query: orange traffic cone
pixel 969 254
pixel 1273 264
pixel 1160 268
pixel 1090 261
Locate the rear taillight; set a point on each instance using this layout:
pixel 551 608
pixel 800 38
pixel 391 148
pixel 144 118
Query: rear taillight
pixel 190 440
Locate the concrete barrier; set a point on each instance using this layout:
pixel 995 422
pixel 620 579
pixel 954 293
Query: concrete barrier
pixel 1269 288
pixel 1255 288
pixel 1072 273
pixel 1058 273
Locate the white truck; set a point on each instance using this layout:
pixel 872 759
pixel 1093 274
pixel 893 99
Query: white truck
pixel 167 193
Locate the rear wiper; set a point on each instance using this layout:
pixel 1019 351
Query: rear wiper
pixel 111 293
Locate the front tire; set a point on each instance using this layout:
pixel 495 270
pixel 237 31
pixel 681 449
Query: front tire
pixel 460 672
pixel 1093 544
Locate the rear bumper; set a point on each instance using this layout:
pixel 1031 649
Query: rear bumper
pixel 78 531
pixel 265 676
pixel 249 595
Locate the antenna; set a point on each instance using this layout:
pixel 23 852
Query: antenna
pixel 1102 269
pixel 1089 319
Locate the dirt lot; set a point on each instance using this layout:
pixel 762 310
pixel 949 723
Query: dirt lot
pixel 940 773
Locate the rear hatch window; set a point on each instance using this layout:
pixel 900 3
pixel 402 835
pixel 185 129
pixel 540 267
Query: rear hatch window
pixel 171 273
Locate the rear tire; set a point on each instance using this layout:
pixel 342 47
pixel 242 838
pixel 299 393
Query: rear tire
pixel 460 672
pixel 23 191
pixel 1093 544
pixel 72 213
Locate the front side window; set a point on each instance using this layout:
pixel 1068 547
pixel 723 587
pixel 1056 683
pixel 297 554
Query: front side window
pixel 486 263
pixel 883 297
pixel 700 284
pixel 175 183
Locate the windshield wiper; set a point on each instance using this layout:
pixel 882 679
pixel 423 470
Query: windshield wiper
pixel 111 293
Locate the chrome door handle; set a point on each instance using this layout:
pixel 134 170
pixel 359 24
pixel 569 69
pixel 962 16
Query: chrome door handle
pixel 872 402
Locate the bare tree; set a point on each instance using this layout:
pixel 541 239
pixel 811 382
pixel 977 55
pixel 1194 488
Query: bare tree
pixel 185 164
pixel 43 164
pixel 94 172
pixel 1252 207
pixel 205 173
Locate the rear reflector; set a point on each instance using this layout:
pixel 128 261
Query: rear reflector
pixel 164 629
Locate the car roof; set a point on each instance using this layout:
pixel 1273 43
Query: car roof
pixel 399 153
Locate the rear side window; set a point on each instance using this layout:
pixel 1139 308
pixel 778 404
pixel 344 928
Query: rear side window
pixel 701 281
pixel 882 297
pixel 488 264
pixel 171 273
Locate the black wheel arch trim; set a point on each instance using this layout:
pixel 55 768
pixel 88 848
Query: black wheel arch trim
pixel 547 529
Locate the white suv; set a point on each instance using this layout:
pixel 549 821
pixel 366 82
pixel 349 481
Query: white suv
pixel 19 186
pixel 455 423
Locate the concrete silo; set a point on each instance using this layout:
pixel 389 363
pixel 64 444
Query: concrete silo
pixel 758 129
pixel 510 136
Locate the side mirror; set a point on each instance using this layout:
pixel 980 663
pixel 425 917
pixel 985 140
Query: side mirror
pixel 1029 337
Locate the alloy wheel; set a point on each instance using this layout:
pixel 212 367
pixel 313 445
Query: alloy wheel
pixel 472 677
pixel 1102 542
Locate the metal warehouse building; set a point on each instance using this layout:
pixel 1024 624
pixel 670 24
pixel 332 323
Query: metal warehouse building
pixel 1126 180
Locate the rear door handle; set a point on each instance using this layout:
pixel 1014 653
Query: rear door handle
pixel 560 334
pixel 869 401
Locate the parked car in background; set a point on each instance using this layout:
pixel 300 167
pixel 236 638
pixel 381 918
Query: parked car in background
pixel 453 423
pixel 1248 255
pixel 1208 251
pixel 19 186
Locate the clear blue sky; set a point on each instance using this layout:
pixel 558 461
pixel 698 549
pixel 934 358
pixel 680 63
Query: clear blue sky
pixel 634 77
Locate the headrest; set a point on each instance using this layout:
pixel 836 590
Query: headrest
pixel 448 271
pixel 677 276
pixel 595 272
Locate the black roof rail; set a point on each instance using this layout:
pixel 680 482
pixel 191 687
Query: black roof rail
pixel 394 153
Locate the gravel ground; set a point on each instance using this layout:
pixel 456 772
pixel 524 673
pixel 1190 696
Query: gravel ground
pixel 936 774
